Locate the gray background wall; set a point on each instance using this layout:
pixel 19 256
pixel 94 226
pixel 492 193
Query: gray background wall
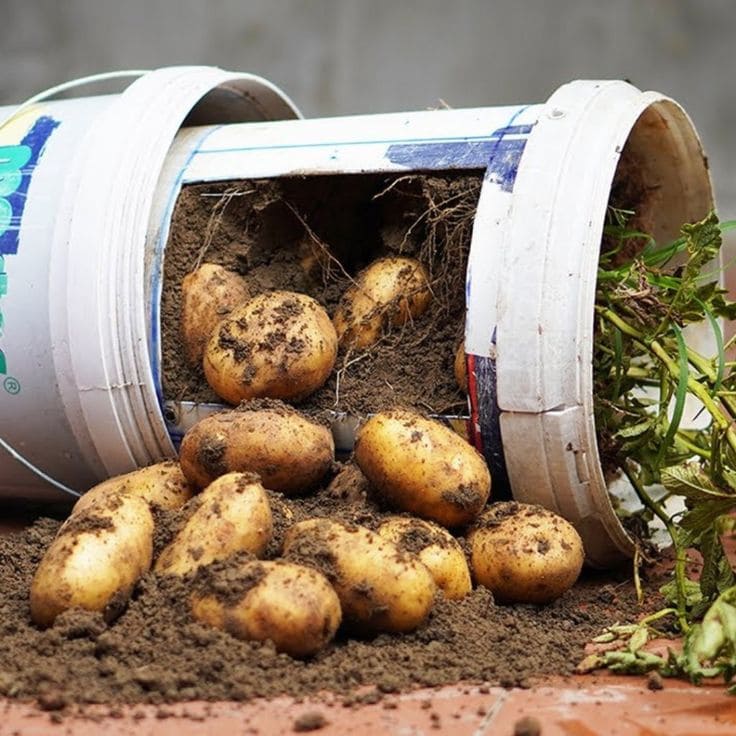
pixel 346 56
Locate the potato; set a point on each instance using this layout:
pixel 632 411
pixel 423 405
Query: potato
pixel 390 291
pixel 290 452
pixel 95 560
pixel 380 587
pixel 279 345
pixel 293 606
pixel 524 553
pixel 208 295
pixel 421 466
pixel 231 515
pixel 162 485
pixel 349 486
pixel 440 552
pixel 460 368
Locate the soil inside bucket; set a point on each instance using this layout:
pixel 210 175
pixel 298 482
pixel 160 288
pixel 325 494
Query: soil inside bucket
pixel 155 652
pixel 313 235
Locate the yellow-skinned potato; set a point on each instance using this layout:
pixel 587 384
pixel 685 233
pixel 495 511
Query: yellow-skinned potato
pixel 292 605
pixel 162 485
pixel 390 291
pixel 380 587
pixel 460 368
pixel 525 553
pixel 421 466
pixel 279 345
pixel 208 295
pixel 436 548
pixel 290 452
pixel 95 560
pixel 231 515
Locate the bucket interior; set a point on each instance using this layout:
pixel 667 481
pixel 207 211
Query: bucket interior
pixel 314 234
pixel 662 174
pixel 662 177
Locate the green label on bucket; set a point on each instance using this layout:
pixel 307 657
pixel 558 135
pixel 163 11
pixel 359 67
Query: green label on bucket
pixel 17 164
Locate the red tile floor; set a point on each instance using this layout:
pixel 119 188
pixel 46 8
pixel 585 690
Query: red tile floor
pixel 589 705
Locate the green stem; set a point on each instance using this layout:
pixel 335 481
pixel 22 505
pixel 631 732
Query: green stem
pixel 692 447
pixel 680 556
pixel 695 388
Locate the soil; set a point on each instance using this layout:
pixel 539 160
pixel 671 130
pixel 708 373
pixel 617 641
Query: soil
pixel 281 235
pixel 155 653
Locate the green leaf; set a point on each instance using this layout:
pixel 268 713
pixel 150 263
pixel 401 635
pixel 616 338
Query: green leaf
pixel 634 430
pixel 702 516
pixel 716 575
pixel 691 482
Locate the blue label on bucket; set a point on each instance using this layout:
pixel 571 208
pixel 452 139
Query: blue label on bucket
pixel 17 164
pixel 500 153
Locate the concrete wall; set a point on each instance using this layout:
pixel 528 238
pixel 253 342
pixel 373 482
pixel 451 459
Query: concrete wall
pixel 344 56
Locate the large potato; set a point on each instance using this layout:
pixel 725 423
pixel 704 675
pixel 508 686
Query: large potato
pixel 231 515
pixel 95 560
pixel 290 452
pixel 421 466
pixel 524 553
pixel 278 345
pixel 208 295
pixel 380 587
pixel 162 485
pixel 293 606
pixel 436 548
pixel 390 291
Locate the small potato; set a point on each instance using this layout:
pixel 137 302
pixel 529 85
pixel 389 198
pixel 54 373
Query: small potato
pixel 293 606
pixel 461 368
pixel 231 515
pixel 380 587
pixel 290 452
pixel 419 465
pixel 95 560
pixel 162 485
pixel 436 548
pixel 278 345
pixel 524 553
pixel 349 486
pixel 208 295
pixel 390 291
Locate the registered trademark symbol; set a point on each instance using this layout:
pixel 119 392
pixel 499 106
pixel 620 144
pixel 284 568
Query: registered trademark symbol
pixel 12 385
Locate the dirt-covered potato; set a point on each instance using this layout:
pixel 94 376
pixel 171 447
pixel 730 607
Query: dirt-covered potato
pixel 349 486
pixel 380 587
pixel 460 368
pixel 292 605
pixel 208 295
pixel 421 466
pixel 95 559
pixel 436 548
pixel 524 553
pixel 162 485
pixel 390 291
pixel 279 345
pixel 231 515
pixel 290 452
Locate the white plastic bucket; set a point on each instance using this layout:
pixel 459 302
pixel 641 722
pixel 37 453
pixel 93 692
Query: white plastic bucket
pixel 76 388
pixel 530 284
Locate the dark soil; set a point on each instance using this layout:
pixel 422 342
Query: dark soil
pixel 154 652
pixel 281 235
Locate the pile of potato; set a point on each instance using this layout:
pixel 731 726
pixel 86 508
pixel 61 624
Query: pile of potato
pixel 283 345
